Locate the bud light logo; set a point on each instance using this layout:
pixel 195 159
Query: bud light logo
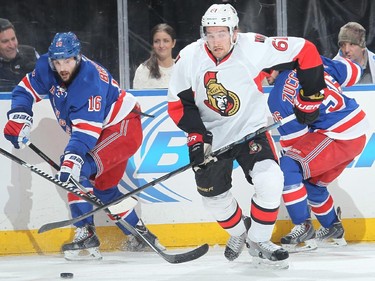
pixel 162 151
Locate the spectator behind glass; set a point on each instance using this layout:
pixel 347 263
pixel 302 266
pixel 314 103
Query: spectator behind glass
pixel 352 43
pixel 155 72
pixel 15 60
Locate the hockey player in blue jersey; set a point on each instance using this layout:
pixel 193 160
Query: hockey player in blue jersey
pixel 315 155
pixel 104 126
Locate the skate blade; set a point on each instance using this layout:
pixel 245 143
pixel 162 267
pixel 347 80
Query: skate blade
pixel 331 242
pixel 308 245
pixel 83 255
pixel 268 264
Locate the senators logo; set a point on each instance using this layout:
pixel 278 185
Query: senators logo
pixel 254 147
pixel 219 99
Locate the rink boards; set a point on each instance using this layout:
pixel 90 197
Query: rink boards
pixel 173 208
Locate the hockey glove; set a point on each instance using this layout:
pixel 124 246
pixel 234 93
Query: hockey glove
pixel 200 148
pixel 70 167
pixel 17 129
pixel 306 108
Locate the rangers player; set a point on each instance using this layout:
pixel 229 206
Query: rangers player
pixel 103 124
pixel 215 96
pixel 317 154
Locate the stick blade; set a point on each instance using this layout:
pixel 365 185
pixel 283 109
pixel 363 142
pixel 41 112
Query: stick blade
pixel 53 225
pixel 187 256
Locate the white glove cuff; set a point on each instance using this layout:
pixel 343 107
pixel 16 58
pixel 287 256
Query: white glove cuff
pixel 21 117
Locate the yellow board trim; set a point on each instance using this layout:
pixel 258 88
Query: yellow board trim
pixel 23 242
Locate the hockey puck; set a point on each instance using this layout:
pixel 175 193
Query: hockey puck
pixel 66 275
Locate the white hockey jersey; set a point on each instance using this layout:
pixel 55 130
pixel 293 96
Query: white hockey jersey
pixel 225 97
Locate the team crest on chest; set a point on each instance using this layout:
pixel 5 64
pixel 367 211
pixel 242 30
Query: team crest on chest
pixel 61 92
pixel 220 99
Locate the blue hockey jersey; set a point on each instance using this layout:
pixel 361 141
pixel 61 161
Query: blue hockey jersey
pixel 92 102
pixel 340 117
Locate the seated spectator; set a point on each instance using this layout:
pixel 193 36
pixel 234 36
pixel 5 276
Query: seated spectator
pixel 15 60
pixel 352 43
pixel 155 72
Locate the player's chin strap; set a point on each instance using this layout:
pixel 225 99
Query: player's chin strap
pixel 75 187
pixel 248 137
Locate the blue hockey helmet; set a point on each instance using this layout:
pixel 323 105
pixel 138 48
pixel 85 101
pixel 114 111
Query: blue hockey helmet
pixel 64 45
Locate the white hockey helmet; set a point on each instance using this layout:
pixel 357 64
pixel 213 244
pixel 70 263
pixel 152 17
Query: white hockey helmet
pixel 221 15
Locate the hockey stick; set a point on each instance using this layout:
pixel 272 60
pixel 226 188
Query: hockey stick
pixel 57 168
pixel 171 258
pixel 77 184
pixel 248 137
pixel 41 154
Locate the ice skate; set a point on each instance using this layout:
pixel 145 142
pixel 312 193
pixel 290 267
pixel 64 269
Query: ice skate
pixel 85 245
pixel 301 238
pixel 332 236
pixel 269 255
pixel 235 244
pixel 134 244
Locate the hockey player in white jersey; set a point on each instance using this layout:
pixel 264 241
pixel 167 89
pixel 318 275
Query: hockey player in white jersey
pixel 215 96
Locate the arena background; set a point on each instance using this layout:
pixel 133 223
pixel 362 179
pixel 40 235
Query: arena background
pixel 116 34
pixel 97 23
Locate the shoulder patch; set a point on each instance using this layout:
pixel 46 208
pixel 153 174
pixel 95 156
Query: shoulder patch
pixel 260 38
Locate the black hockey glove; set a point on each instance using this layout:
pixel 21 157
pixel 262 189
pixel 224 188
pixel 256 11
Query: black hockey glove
pixel 306 108
pixel 200 148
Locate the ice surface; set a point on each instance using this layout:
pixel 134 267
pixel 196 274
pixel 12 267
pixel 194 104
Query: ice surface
pixel 353 262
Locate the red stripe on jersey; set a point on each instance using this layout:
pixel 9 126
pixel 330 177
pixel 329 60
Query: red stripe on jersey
pixel 342 128
pixel 295 195
pixel 117 106
pixel 214 59
pixel 175 111
pixel 261 215
pixel 26 81
pixel 356 119
pixel 354 73
pixel 233 220
pixel 305 59
pixel 88 127
pixel 320 210
pixel 258 80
